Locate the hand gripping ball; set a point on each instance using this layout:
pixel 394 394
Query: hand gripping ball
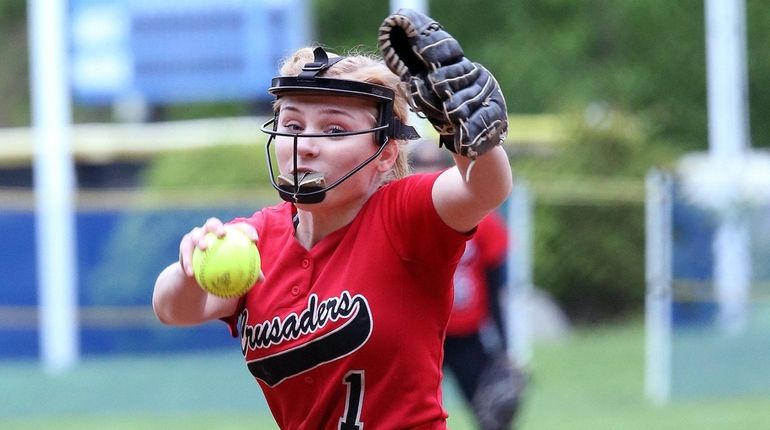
pixel 229 266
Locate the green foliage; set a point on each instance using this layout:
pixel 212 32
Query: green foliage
pixel 589 252
pixel 216 166
pixel 645 56
pixel 12 12
pixel 14 80
pixel 641 62
pixel 591 259
pixel 343 25
pixel 758 38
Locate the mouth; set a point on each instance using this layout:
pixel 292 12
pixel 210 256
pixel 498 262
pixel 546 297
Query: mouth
pixel 305 178
pixel 309 187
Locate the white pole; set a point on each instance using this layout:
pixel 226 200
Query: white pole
pixel 728 143
pixel 54 185
pixel 519 283
pixel 418 5
pixel 658 214
pixel 728 123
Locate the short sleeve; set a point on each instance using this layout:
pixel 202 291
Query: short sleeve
pixel 414 227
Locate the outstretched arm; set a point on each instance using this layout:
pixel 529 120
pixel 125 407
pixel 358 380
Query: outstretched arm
pixel 463 102
pixel 463 195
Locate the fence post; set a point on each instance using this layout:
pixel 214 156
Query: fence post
pixel 520 227
pixel 658 224
pixel 54 176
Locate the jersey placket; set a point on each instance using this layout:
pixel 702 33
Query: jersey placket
pixel 302 287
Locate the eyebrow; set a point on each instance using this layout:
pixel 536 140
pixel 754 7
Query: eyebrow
pixel 330 111
pixel 327 111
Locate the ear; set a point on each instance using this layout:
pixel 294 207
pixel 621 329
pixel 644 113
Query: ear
pixel 388 157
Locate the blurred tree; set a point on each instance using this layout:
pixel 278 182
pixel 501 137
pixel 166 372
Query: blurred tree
pixel 640 60
pixel 642 63
pixel 589 248
pixel 642 56
pixel 14 75
pixel 12 11
pixel 758 16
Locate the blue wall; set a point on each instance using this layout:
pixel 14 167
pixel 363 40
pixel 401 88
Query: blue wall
pixel 119 256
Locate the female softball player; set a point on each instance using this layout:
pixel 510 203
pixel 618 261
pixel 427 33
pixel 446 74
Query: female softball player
pixel 344 330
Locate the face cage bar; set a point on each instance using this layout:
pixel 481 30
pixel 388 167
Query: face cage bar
pixel 269 128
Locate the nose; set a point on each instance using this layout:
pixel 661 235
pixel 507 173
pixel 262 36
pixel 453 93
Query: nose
pixel 307 147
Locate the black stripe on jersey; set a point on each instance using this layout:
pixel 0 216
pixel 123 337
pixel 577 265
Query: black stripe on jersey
pixel 337 344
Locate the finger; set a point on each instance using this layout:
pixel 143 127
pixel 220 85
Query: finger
pixel 214 225
pixel 246 229
pixel 197 236
pixel 186 247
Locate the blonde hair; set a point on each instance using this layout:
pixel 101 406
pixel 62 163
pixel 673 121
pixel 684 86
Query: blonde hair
pixel 359 66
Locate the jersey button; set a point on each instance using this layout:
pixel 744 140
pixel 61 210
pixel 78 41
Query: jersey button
pixel 308 380
pixel 295 290
pixel 305 263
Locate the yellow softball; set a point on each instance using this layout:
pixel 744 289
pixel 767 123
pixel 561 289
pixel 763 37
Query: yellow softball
pixel 229 266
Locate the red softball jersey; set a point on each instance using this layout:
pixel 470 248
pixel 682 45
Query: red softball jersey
pixel 487 248
pixel 348 335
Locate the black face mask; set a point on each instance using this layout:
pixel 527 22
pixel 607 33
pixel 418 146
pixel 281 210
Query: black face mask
pixel 311 187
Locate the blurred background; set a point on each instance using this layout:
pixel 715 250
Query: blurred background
pixel 620 267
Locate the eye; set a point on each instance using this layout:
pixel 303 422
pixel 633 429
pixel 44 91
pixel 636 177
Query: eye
pixel 334 129
pixel 292 126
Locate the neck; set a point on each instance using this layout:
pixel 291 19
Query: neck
pixel 339 208
pixel 317 222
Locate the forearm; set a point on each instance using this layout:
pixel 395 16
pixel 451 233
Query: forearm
pixel 178 300
pixel 466 194
pixel 488 180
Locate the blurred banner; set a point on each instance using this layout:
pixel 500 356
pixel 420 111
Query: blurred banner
pixel 175 51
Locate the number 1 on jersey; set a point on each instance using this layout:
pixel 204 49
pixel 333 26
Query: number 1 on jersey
pixel 351 419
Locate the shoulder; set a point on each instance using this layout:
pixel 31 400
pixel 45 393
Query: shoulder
pixel 411 187
pixel 270 217
pixel 405 210
pixel 405 200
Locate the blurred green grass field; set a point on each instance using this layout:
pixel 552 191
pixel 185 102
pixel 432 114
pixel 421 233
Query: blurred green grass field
pixel 593 380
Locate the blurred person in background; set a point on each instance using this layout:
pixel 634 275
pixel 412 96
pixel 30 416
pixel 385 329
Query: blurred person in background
pixel 475 348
